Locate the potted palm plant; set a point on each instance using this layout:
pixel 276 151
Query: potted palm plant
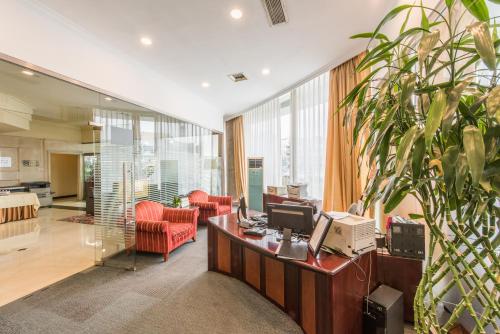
pixel 427 119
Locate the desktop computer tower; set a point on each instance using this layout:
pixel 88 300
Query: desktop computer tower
pixel 383 311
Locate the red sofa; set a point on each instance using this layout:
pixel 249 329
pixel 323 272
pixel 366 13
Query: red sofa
pixel 160 229
pixel 210 206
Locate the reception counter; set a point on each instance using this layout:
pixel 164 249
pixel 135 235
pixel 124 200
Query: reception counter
pixel 323 294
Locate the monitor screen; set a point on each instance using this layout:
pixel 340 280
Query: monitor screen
pixel 320 230
pixel 298 218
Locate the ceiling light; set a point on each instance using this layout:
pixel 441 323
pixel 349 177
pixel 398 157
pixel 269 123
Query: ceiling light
pixel 236 14
pixel 205 84
pixel 107 98
pixel 146 41
pixel 26 72
pixel 266 71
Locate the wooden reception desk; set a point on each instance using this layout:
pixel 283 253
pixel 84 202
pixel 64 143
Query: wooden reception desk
pixel 323 294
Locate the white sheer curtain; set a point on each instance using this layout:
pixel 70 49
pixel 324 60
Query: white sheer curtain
pixel 310 109
pixel 263 139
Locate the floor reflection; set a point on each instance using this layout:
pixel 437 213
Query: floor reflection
pixel 18 235
pixel 38 252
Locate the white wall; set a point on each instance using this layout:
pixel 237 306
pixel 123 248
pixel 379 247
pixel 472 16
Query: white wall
pixel 28 31
pixel 37 145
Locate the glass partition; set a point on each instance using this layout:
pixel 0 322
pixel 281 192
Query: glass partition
pixel 146 156
pixel 114 188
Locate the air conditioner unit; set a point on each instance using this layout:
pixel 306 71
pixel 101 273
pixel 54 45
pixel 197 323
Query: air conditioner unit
pixel 351 235
pixel 255 183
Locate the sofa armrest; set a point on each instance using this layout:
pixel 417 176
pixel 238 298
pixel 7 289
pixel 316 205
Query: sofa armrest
pixel 222 200
pixel 152 226
pixel 206 205
pixel 180 215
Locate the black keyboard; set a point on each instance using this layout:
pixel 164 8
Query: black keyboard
pixel 257 231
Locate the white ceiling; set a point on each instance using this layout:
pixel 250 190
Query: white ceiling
pixel 197 40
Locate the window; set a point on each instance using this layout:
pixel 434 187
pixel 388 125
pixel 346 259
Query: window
pixel 289 132
pixel 311 120
pixel 263 139
pixel 286 139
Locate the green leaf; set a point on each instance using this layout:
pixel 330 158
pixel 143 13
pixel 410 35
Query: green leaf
pixel 453 100
pixel 404 149
pixel 383 150
pixel 418 157
pixel 371 36
pixel 492 169
pixel 485 184
pixel 392 14
pixel 495 184
pixel 434 117
pixel 474 150
pixel 407 18
pixel 427 43
pixel 449 161
pixel 384 49
pixel 477 8
pixel 416 216
pixel 425 21
pixel 407 87
pixel 484 43
pixel 449 3
pixel 491 142
pixel 493 103
pixel 395 198
pixel 461 173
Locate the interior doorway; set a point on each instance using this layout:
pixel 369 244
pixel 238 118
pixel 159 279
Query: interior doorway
pixel 66 178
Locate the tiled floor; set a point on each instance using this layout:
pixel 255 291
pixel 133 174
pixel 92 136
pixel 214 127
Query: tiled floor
pixel 37 252
pixel 71 202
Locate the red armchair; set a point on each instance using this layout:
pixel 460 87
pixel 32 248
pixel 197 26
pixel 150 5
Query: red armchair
pixel 160 229
pixel 210 206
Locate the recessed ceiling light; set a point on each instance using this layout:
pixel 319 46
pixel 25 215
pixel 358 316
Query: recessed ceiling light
pixel 266 71
pixel 236 14
pixel 146 41
pixel 26 72
pixel 205 84
pixel 107 98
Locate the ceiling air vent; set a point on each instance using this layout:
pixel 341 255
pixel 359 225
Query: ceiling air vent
pixel 236 77
pixel 275 11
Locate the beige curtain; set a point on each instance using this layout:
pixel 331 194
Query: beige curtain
pixel 343 186
pixel 240 173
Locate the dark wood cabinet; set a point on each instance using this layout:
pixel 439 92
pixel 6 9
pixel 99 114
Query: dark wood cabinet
pixel 403 274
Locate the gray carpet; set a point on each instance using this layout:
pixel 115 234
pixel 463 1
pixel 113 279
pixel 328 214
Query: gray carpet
pixel 179 296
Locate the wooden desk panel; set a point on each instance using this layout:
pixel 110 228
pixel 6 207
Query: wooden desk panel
pixel 322 294
pixel 345 313
pixel 252 268
pixel 275 280
pixel 402 274
pixel 307 292
pixel 223 253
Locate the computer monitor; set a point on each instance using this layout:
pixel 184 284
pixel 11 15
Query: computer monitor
pixel 298 218
pixel 242 208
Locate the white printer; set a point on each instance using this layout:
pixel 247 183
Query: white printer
pixel 349 234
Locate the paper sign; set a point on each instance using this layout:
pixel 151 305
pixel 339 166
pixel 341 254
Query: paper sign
pixel 5 162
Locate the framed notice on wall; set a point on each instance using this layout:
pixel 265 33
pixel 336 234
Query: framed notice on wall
pixel 8 159
pixel 5 162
